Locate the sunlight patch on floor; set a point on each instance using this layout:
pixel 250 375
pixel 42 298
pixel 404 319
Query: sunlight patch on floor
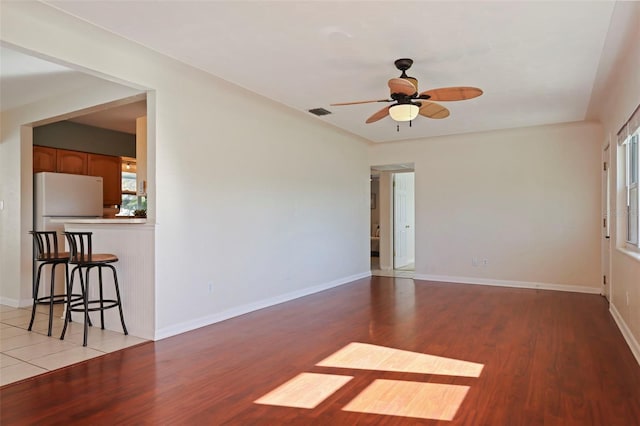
pixel 402 398
pixel 306 390
pixel 364 356
pixel 409 399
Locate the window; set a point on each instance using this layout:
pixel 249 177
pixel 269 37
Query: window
pixel 629 137
pixel 129 197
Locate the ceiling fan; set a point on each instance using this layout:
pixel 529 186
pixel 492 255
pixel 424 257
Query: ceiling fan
pixel 409 103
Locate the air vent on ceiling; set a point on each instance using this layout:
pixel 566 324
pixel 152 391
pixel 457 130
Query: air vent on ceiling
pixel 319 111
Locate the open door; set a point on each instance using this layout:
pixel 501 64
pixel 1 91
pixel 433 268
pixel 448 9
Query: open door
pixel 404 221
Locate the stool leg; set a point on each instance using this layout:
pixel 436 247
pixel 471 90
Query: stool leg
pixel 51 293
pixel 115 281
pixel 84 294
pixel 67 317
pixel 36 289
pixel 68 293
pixel 101 298
pixel 86 305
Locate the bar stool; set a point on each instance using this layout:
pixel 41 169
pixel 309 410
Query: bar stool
pixel 82 256
pixel 46 253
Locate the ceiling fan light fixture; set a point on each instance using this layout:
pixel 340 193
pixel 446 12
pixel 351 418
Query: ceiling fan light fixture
pixel 404 112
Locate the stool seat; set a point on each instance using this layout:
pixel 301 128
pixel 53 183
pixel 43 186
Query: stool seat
pixel 87 259
pixel 82 257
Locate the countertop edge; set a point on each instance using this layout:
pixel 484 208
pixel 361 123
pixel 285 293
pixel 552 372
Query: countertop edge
pixel 102 221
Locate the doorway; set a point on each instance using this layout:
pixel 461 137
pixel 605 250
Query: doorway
pixel 64 93
pixel 393 220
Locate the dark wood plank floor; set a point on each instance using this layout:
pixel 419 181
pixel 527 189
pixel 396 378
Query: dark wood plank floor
pixel 550 358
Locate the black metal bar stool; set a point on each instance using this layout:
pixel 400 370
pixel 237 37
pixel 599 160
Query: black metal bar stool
pixel 46 253
pixel 82 256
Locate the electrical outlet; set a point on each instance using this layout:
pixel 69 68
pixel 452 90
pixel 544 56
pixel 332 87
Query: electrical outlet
pixel 485 262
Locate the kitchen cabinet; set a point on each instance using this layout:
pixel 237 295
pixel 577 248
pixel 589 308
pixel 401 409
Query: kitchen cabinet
pixel 44 159
pixel 110 168
pixel 72 162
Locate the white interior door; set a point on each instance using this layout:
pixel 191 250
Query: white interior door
pixel 404 220
pixel 606 208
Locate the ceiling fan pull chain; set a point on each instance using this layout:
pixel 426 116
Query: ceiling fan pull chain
pixel 397 128
pixel 411 121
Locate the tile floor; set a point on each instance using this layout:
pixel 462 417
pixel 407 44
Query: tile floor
pixel 406 272
pixel 25 354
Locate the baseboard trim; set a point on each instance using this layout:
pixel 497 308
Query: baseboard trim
pixel 626 332
pixel 509 283
pixel 254 306
pixel 15 303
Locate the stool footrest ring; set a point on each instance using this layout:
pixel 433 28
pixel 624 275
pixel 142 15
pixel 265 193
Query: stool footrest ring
pixel 106 304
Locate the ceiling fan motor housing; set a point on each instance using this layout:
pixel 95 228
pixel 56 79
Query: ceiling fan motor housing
pixel 403 65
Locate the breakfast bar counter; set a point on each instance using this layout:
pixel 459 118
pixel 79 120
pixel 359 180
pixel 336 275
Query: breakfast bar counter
pixel 132 241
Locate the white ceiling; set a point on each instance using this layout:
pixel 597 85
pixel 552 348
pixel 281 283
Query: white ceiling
pixel 121 118
pixel 537 62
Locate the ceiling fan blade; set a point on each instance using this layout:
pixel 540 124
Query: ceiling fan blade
pixel 378 115
pixel 433 110
pixel 362 102
pixel 401 85
pixel 453 93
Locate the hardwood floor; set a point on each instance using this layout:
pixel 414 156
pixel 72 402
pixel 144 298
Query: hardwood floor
pixel 378 351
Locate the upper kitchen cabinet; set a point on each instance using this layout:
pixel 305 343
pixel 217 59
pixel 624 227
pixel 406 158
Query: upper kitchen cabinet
pixel 110 168
pixel 73 162
pixel 44 159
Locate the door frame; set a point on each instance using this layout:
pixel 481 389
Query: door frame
pixel 605 236
pixel 385 206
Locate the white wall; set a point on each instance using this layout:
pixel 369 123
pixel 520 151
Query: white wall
pixel 251 199
pixel 527 200
pixel 240 203
pixel 623 96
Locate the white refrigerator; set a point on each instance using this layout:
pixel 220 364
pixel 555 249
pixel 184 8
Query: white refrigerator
pixel 58 197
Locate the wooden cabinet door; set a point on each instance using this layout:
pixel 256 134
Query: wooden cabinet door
pixel 44 159
pixel 110 168
pixel 73 162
